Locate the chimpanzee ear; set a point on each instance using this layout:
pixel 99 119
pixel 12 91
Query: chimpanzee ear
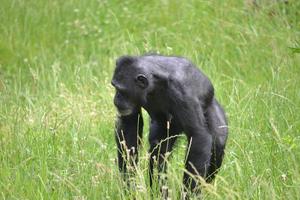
pixel 125 60
pixel 142 81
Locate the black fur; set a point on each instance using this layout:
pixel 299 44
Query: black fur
pixel 172 90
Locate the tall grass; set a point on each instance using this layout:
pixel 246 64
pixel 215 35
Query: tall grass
pixel 56 111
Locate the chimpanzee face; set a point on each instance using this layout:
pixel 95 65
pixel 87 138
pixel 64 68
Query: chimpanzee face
pixel 123 100
pixel 130 85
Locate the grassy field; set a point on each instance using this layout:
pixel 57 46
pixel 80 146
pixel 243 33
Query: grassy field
pixel 56 110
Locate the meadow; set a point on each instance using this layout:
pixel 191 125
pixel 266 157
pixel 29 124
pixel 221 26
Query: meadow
pixel 56 109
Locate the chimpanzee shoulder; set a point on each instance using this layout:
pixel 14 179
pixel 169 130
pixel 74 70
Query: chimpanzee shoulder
pixel 181 74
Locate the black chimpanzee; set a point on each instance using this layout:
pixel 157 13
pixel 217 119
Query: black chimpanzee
pixel 179 98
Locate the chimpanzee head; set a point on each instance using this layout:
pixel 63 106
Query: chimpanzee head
pixel 131 83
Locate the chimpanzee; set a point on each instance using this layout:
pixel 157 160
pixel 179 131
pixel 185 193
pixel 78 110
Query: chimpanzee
pixel 178 98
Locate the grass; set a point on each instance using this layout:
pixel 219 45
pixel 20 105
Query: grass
pixel 56 111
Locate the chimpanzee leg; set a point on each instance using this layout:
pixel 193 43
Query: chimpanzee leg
pixel 216 158
pixel 128 134
pixel 217 125
pixel 161 141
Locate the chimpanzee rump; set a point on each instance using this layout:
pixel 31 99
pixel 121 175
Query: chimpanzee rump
pixel 179 98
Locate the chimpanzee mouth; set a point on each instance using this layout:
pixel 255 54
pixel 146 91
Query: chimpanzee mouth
pixel 125 112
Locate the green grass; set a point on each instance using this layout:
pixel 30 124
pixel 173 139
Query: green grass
pixel 56 111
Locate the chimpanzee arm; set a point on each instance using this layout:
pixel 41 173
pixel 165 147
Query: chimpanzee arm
pixel 128 134
pixel 161 139
pixel 199 143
